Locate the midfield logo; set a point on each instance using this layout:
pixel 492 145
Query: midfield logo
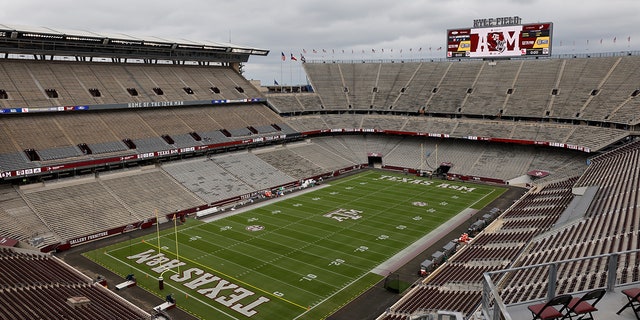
pixel 344 214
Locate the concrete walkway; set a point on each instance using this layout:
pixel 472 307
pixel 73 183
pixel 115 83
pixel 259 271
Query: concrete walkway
pixel 403 257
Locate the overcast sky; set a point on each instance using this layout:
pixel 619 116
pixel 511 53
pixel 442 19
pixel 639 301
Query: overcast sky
pixel 407 29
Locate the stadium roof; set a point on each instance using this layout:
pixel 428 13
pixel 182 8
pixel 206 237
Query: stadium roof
pixel 45 41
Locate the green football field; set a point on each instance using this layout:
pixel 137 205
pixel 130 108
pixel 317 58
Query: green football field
pixel 303 257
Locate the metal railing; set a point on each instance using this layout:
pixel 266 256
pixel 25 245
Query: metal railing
pixel 493 306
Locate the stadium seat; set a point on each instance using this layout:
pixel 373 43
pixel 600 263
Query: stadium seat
pixel 549 310
pixel 582 307
pixel 633 295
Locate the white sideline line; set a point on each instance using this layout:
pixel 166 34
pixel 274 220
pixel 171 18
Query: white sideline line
pixel 331 295
pixel 425 241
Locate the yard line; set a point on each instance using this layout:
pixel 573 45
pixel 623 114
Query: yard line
pixel 333 294
pixel 296 249
pixel 278 255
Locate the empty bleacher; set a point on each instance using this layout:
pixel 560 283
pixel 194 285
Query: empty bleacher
pixel 207 180
pixel 285 103
pixel 26 82
pixel 457 284
pixel 578 80
pixel 453 88
pixel 340 146
pixel 72 208
pixel 531 92
pixel 322 157
pixel 39 286
pixel 328 83
pixel 609 225
pixel 252 171
pixel 343 121
pixel 165 195
pixel 616 91
pixel 35 132
pixel 291 163
pixel 490 88
pixel 361 79
pixel 19 221
pixel 57 136
pixel 307 123
pixel 393 82
pixel 91 209
pixel 426 78
pixel 598 89
pixel 72 82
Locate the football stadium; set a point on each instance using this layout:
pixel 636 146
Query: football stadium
pixel 147 178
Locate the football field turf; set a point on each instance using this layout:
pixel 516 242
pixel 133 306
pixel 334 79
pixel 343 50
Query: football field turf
pixel 302 257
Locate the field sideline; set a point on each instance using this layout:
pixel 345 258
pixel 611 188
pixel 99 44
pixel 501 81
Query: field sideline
pixel 303 257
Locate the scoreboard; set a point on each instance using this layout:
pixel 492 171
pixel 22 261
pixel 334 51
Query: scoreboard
pixel 505 41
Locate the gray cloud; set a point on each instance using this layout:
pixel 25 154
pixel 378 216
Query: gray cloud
pixel 333 25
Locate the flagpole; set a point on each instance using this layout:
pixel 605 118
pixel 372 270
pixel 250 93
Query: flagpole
pixel 282 58
pixel 175 230
pixel 421 157
pixel 158 230
pixel 160 279
pixel 158 233
pixel 300 69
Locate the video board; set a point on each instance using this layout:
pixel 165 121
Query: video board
pixel 500 41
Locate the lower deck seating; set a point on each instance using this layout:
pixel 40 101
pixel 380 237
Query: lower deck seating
pixel 39 286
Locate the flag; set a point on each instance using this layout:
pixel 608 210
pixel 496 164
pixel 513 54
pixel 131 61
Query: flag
pixel 275 83
pixel 283 57
pixel 293 58
pixel 302 58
